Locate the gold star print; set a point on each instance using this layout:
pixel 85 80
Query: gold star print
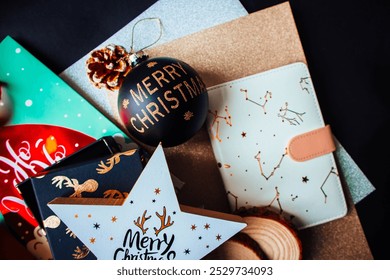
pixel 188 115
pixel 193 227
pixel 151 64
pixel 114 219
pixel 157 191
pixel 206 226
pixel 92 240
pixel 125 103
pixel 218 237
pixel 76 216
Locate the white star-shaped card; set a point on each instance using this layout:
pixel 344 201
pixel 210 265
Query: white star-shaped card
pixel 149 223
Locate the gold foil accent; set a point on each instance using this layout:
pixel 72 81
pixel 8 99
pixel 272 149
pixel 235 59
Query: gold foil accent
pixel 115 194
pixel 89 185
pixel 80 253
pixel 112 161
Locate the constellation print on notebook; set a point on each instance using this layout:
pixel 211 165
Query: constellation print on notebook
pixel 258 158
pixel 267 97
pixel 216 122
pixel 292 117
pixel 277 199
pixel 332 171
pixel 304 82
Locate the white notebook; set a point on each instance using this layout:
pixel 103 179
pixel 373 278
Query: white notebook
pixel 250 122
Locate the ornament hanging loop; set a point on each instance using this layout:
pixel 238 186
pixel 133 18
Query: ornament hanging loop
pixel 151 44
pixel 138 56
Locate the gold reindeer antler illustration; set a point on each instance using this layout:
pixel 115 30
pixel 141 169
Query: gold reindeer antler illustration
pixel 80 253
pixel 70 232
pixel 89 185
pixel 141 221
pixel 115 194
pixel 106 167
pixel 58 180
pixel 103 168
pixel 163 224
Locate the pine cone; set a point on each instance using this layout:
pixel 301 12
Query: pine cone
pixel 108 67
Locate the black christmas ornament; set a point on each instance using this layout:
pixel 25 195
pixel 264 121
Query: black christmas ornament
pixel 162 99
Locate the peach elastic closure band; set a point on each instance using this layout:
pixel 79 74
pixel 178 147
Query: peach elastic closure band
pixel 311 144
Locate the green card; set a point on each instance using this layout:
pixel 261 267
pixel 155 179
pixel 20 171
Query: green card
pixel 39 96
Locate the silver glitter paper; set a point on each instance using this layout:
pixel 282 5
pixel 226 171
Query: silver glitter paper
pixel 358 184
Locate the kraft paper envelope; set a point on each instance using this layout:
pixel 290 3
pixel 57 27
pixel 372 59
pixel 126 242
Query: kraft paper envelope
pixel 251 44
